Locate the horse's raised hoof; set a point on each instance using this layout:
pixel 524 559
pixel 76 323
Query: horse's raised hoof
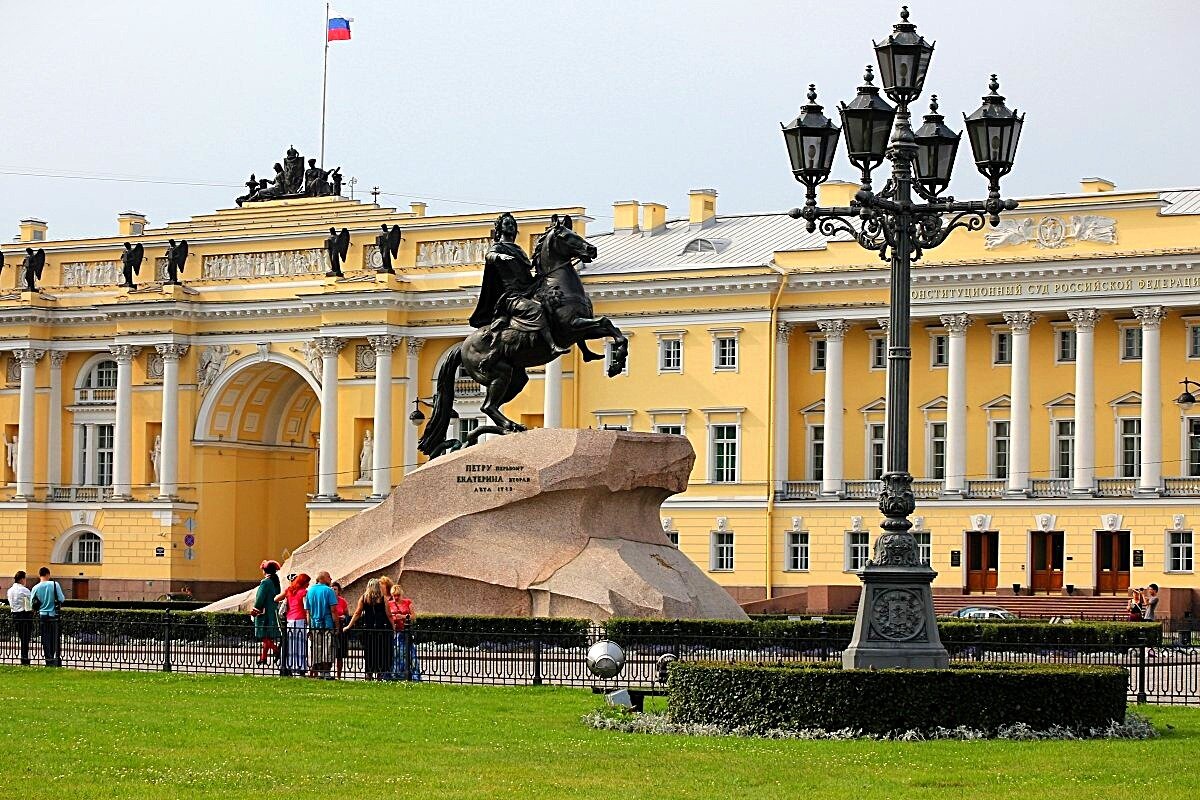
pixel 515 427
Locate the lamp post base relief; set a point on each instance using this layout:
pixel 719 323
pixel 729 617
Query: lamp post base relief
pixel 895 626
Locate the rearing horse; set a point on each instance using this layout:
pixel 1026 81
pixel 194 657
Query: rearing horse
pixel 499 360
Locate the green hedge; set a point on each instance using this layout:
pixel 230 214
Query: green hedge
pixel 957 635
pixel 984 697
pixel 473 631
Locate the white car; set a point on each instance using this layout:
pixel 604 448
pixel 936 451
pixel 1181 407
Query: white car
pixel 983 612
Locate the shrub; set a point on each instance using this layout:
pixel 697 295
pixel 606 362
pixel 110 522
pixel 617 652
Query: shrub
pixel 760 698
pixel 473 631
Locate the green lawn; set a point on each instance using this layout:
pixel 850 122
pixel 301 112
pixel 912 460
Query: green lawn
pixel 98 735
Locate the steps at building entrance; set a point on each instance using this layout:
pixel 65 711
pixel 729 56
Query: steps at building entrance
pixel 1102 607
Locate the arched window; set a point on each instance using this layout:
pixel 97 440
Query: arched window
pixel 99 385
pixel 85 548
pixel 705 245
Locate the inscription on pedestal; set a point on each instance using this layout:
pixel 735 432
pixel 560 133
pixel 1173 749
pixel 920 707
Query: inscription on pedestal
pixel 494 478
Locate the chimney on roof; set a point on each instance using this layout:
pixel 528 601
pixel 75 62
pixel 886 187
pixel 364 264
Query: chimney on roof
pixel 702 206
pixel 131 223
pixel 625 216
pixel 837 193
pixel 417 209
pixel 32 230
pixel 1093 185
pixel 654 217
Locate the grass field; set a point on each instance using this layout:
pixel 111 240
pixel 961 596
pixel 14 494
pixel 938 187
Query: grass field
pixel 73 734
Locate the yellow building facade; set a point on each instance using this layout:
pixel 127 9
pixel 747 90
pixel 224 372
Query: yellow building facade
pixel 175 436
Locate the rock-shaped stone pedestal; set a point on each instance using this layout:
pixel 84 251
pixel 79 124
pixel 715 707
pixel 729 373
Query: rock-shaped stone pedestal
pixel 896 625
pixel 560 523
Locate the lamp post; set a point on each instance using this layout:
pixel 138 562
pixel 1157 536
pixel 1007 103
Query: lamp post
pixel 895 625
pixel 1187 399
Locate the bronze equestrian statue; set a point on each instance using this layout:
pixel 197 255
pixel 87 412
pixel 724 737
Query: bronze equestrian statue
pixel 529 314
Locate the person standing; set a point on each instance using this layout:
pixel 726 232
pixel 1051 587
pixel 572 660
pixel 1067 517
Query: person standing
pixel 372 614
pixel 1150 604
pixel 22 612
pixel 265 612
pixel 296 657
pixel 400 609
pixel 319 602
pixel 1134 608
pixel 341 612
pixel 46 599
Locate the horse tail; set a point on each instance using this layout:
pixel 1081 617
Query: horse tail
pixel 443 404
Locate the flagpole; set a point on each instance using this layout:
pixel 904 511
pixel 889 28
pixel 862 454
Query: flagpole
pixel 324 85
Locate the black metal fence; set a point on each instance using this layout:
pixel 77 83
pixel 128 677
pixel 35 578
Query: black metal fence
pixel 1168 673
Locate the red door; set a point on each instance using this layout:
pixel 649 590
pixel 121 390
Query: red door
pixel 79 589
pixel 983 560
pixel 1112 562
pixel 1046 555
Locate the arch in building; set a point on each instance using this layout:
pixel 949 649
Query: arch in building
pixel 267 400
pixel 79 544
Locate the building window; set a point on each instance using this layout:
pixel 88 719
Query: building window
pixel 670 355
pixel 816 452
pixel 1193 338
pixel 1064 448
pixel 100 385
pixel 1065 346
pixel 924 546
pixel 673 430
pixel 858 550
pixel 608 358
pixel 86 548
pixel 1131 447
pixel 1000 442
pixel 725 353
pixel 1131 344
pixel 724 453
pixel 939 350
pixel 879 353
pixel 1179 551
pixel 95 467
pixel 819 349
pixel 721 557
pixel 465 426
pixel 1002 348
pixel 672 536
pixel 937 451
pixel 796 559
pixel 876 447
pixel 1193 447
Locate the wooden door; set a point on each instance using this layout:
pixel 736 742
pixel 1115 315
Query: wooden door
pixel 1112 562
pixel 983 560
pixel 1046 561
pixel 79 589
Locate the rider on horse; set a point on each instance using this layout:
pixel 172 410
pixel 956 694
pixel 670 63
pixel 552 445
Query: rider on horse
pixel 508 297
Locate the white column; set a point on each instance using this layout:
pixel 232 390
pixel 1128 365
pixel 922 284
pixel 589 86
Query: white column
pixel 1019 324
pixel 835 333
pixel 88 449
pixel 123 430
pixel 381 466
pixel 1151 318
pixel 26 436
pixel 168 460
pixel 956 404
pixel 411 434
pixel 884 323
pixel 783 336
pixel 552 395
pixel 327 459
pixel 54 423
pixel 1085 401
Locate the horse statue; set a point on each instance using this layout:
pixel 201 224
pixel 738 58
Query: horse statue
pixel 498 354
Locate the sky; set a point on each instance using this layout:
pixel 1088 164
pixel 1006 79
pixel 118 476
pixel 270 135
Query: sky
pixel 480 106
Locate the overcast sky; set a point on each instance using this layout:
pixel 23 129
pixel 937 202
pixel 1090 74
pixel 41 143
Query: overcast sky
pixel 519 104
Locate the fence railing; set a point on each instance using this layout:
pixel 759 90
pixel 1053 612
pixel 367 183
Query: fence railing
pixel 171 643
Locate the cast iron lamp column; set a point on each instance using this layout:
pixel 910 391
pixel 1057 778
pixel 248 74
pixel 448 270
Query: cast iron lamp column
pixel 895 626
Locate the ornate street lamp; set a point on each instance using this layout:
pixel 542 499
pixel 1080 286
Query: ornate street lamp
pixel 895 626
pixel 1186 400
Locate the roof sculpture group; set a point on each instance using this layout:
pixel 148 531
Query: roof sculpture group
pixel 293 180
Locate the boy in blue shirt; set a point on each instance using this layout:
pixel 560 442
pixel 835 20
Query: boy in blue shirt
pixel 47 598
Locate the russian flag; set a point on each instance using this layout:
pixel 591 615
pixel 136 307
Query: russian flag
pixel 339 29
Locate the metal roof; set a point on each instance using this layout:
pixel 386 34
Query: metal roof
pixel 753 240
pixel 1184 201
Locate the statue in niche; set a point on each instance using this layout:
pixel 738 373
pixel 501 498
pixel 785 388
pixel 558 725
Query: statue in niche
pixel 131 263
pixel 156 457
pixel 388 243
pixel 366 456
pixel 32 266
pixel 337 246
pixel 10 453
pixel 176 259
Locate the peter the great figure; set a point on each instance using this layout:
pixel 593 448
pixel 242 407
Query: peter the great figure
pixel 506 297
